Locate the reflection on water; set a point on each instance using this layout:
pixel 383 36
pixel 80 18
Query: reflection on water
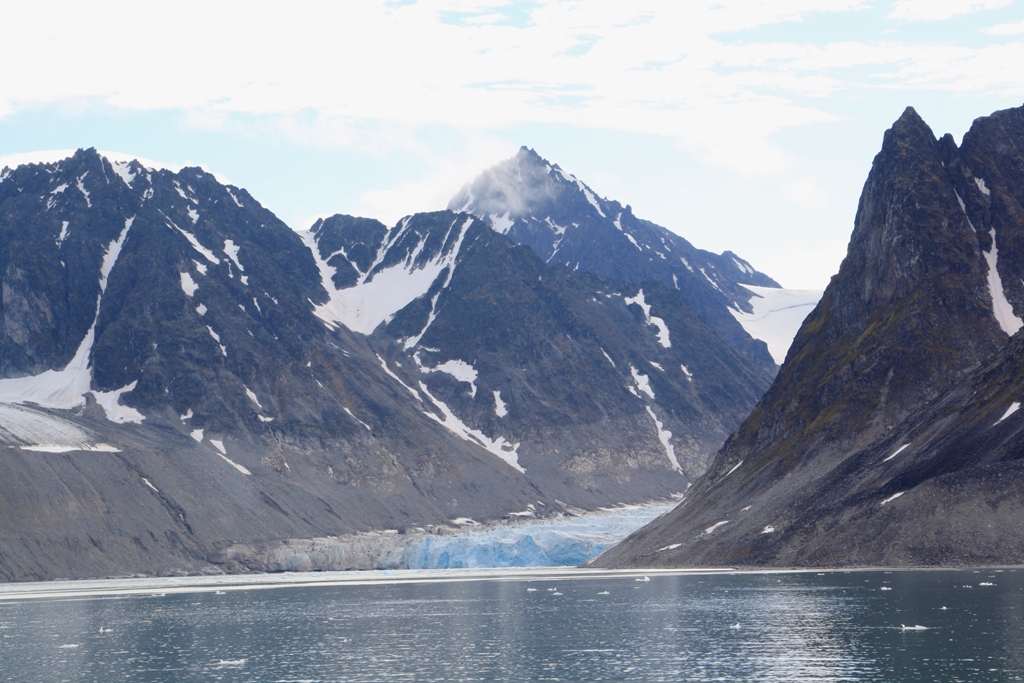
pixel 756 627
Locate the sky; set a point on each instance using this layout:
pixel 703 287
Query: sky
pixel 743 125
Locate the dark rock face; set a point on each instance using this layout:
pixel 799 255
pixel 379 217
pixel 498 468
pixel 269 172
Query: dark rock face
pixel 182 375
pixel 537 204
pixel 908 346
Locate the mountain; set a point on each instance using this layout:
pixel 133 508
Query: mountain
pixel 537 204
pixel 889 436
pixel 185 382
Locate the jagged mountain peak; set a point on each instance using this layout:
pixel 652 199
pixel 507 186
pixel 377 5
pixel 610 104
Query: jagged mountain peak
pixel 564 221
pixel 887 437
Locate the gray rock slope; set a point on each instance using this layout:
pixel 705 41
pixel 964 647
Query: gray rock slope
pixel 889 436
pixel 537 204
pixel 183 377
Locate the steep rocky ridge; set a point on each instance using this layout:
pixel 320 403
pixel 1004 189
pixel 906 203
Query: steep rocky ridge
pixel 908 346
pixel 536 203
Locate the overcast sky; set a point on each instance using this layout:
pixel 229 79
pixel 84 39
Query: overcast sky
pixel 740 125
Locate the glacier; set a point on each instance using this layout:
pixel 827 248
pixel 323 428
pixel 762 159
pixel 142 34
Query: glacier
pixel 559 542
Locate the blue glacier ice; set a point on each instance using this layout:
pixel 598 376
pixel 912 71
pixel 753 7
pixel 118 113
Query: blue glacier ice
pixel 559 542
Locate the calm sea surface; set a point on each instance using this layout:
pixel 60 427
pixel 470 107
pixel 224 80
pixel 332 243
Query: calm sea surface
pixel 722 627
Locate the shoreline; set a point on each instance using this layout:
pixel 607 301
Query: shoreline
pixel 84 589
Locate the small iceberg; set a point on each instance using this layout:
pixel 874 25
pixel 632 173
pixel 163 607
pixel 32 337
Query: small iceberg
pixel 918 627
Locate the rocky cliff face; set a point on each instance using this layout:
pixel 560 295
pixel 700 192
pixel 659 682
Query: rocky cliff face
pixel 537 204
pixel 878 442
pixel 181 374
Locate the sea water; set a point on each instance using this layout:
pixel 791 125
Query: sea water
pixel 559 626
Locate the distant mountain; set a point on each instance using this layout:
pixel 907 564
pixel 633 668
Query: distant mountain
pixel 185 381
pixel 537 204
pixel 890 435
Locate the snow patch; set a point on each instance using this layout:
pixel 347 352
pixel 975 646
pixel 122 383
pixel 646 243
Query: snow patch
pixel 63 233
pixel 352 415
pixel 642 382
pixel 777 316
pixel 114 409
pixel 686 372
pixel 768 530
pixel 252 396
pixel 459 369
pixel 231 249
pixel 711 529
pixel 608 357
pixel 188 285
pixel 233 197
pixel 980 182
pixel 207 254
pixel 663 336
pixel 499 406
pixel 81 188
pixel 1008 322
pixel 193 215
pixel 373 300
pixel 503 223
pixel 123 171
pixel 197 434
pixel 665 437
pixel 216 338
pixel 893 497
pixel 1014 407
pixel 508 452
pixel 219 445
pixel 734 468
pixel 201 309
pixel 66 388
pixel 896 452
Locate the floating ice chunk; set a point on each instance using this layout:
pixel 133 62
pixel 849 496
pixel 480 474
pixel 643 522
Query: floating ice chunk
pixel 1008 321
pixel 499 406
pixel 896 452
pixel 1014 407
pixel 893 497
pixel 188 285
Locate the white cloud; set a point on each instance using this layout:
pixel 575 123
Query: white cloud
pixel 936 10
pixel 652 67
pixel 1013 29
